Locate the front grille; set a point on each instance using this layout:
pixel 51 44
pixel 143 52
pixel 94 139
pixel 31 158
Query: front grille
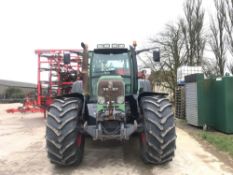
pixel 111 89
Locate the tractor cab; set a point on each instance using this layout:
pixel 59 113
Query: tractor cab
pixel 111 60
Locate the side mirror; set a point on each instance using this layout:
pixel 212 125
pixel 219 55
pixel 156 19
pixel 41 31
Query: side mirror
pixel 66 58
pixel 156 55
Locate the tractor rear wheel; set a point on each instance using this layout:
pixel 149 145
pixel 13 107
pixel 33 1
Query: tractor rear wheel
pixel 65 144
pixel 158 140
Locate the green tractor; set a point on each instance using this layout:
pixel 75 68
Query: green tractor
pixel 110 102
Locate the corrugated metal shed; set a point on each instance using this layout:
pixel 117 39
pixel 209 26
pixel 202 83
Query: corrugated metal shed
pixel 10 83
pixel 191 103
pixel 193 99
pixel 25 87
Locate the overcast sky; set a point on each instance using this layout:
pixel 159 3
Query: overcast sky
pixel 26 25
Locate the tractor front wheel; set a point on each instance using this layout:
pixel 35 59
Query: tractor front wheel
pixel 65 144
pixel 159 136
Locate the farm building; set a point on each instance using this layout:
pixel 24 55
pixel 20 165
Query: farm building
pixel 23 87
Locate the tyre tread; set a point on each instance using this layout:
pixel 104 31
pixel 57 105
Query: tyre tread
pixel 160 142
pixel 61 132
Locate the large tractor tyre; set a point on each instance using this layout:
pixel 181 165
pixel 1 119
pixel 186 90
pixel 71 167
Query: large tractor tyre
pixel 65 144
pixel 158 140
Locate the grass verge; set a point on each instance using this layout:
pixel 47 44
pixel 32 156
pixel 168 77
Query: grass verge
pixel 221 141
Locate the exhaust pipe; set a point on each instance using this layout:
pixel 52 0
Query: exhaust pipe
pixel 85 70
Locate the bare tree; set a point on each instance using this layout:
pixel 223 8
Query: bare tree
pixel 229 29
pixel 210 67
pixel 172 56
pixel 193 32
pixel 218 35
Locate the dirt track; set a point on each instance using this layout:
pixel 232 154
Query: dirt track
pixel 22 151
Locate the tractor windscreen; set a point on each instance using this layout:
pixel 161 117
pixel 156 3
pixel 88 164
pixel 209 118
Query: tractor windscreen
pixel 111 63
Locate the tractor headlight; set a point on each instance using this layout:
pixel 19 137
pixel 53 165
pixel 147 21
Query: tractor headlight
pixel 101 100
pixel 120 99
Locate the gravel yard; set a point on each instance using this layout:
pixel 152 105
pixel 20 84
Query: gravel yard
pixel 23 151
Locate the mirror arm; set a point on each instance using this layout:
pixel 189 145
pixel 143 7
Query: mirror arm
pixel 146 50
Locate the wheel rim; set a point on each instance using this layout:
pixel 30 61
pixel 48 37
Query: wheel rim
pixel 79 140
pixel 143 137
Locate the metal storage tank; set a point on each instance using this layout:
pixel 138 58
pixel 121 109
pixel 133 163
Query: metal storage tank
pixel 207 102
pixel 224 104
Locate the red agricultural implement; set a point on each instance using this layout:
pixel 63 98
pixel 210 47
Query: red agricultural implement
pixel 29 105
pixel 57 70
